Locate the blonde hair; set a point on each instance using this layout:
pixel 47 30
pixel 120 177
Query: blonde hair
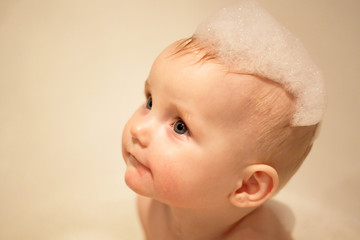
pixel 278 143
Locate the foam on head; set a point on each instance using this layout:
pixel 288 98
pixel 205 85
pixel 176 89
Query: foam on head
pixel 249 40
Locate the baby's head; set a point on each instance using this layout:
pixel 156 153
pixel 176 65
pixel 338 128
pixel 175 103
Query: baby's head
pixel 217 127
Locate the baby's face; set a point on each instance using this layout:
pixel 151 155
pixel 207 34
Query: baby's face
pixel 187 144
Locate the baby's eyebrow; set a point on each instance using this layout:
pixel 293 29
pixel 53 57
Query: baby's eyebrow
pixel 183 113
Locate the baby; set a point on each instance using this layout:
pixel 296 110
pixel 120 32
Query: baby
pixel 230 115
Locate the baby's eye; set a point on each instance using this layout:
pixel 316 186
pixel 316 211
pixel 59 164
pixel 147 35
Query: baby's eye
pixel 180 127
pixel 149 103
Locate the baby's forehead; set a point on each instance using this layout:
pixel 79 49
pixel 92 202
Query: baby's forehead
pixel 208 75
pixel 210 87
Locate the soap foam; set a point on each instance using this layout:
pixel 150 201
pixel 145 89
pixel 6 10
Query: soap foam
pixel 249 40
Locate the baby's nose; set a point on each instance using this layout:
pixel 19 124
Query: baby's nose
pixel 141 133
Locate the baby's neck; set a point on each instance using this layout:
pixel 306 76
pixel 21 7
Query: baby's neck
pixel 199 224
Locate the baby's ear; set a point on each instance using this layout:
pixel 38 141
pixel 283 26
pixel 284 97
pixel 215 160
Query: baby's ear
pixel 257 184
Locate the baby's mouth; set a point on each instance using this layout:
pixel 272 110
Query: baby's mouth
pixel 136 163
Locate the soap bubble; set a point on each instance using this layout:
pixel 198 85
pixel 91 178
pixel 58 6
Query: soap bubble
pixel 249 40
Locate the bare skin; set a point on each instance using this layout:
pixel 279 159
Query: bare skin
pixel 193 161
pixel 158 223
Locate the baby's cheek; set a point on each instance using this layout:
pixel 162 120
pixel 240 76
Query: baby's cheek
pixel 171 186
pixel 166 180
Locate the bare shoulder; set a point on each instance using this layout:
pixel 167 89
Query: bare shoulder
pixel 248 234
pixel 253 234
pixel 261 224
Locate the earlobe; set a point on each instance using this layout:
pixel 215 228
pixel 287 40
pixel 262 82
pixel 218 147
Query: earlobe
pixel 258 183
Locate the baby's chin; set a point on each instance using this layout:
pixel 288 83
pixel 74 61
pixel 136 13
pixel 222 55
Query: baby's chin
pixel 139 180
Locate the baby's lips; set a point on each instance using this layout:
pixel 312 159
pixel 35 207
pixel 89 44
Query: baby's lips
pixel 138 160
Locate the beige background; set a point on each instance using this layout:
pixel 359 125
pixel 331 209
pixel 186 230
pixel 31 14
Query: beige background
pixel 72 72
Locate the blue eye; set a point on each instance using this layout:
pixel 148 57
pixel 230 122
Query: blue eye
pixel 149 103
pixel 180 127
